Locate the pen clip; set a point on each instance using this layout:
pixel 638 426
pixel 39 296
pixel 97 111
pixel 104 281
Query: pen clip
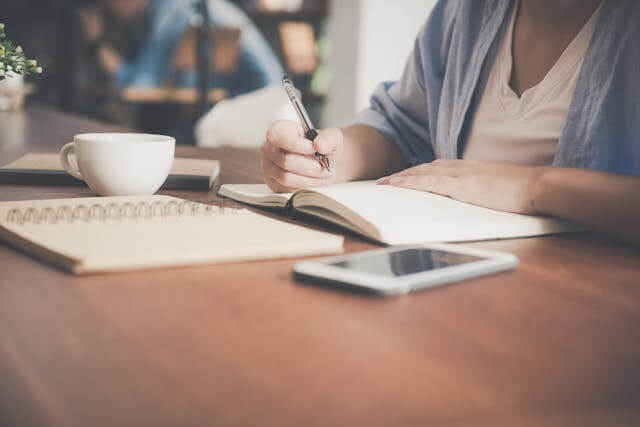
pixel 309 132
pixel 297 105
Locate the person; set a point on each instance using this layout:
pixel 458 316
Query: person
pixel 527 106
pixel 133 42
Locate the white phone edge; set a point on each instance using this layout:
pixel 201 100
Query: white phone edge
pixel 495 262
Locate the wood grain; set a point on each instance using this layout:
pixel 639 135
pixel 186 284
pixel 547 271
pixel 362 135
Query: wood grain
pixel 555 342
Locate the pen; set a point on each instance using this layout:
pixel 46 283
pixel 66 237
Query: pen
pixel 309 132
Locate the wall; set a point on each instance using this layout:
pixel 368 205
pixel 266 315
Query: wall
pixel 370 42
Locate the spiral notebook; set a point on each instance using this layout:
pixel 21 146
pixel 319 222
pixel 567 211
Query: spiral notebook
pixel 104 234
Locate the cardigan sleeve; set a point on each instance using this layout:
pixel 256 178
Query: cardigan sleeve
pixel 405 111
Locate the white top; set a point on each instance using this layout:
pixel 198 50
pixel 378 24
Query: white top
pixel 525 130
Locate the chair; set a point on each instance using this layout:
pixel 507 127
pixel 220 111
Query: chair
pixel 226 51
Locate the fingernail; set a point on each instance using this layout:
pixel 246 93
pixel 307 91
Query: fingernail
pixel 383 180
pixel 394 180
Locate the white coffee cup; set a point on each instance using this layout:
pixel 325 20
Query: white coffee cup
pixel 120 164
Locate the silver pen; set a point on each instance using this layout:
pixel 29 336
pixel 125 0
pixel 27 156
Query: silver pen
pixel 309 132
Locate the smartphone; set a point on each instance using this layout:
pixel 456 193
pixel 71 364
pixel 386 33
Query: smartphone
pixel 398 270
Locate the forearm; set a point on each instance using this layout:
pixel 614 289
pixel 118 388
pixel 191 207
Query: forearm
pixel 600 201
pixel 368 154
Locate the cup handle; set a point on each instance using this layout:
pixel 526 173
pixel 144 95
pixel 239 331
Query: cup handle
pixel 64 159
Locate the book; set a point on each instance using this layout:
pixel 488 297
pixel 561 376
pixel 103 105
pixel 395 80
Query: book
pixel 105 234
pixel 46 169
pixel 398 216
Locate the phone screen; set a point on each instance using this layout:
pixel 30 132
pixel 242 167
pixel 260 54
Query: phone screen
pixel 405 261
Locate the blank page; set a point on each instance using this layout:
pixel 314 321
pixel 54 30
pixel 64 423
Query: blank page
pixel 254 194
pixel 404 216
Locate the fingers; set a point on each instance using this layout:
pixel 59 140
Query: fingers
pixel 288 161
pixel 439 184
pixel 446 167
pixel 302 165
pixel 423 170
pixel 328 141
pixel 454 162
pixel 287 135
pixel 437 167
pixel 280 180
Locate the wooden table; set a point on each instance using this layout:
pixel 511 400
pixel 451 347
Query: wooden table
pixel 556 342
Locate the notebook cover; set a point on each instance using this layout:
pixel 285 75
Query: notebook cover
pixel 44 169
pixel 109 234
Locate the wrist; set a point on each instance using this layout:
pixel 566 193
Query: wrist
pixel 538 189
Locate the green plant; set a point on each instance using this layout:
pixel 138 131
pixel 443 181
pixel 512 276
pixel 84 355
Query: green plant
pixel 12 59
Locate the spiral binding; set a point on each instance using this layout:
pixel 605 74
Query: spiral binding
pixel 114 211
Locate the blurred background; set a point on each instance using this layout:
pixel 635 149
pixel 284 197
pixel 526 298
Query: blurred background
pixel 172 66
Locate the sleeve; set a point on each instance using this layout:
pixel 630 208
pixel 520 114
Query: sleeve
pixel 256 69
pixel 257 65
pixel 151 67
pixel 405 111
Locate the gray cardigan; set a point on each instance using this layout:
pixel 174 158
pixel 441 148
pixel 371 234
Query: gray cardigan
pixel 427 113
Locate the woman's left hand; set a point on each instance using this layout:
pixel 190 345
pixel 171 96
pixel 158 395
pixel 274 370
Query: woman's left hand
pixel 499 186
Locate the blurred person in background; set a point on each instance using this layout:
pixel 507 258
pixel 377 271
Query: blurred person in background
pixel 133 43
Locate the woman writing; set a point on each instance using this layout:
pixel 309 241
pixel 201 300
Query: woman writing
pixel 528 106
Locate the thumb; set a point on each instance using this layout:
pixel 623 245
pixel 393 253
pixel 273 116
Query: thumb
pixel 328 141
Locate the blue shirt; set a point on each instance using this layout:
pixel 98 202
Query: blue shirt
pixel 427 113
pixel 257 65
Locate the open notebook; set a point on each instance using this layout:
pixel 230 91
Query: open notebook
pixel 97 234
pixel 397 216
pixel 46 169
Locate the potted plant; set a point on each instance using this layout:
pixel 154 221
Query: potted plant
pixel 13 66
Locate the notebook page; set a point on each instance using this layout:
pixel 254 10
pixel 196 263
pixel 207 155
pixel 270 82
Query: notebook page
pixel 254 194
pixel 404 216
pixel 220 236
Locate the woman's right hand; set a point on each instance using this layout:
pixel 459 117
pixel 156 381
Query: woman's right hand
pixel 288 161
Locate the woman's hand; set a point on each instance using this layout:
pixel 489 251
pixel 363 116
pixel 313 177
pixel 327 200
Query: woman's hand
pixel 288 161
pixel 109 59
pixel 499 186
pixel 92 23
